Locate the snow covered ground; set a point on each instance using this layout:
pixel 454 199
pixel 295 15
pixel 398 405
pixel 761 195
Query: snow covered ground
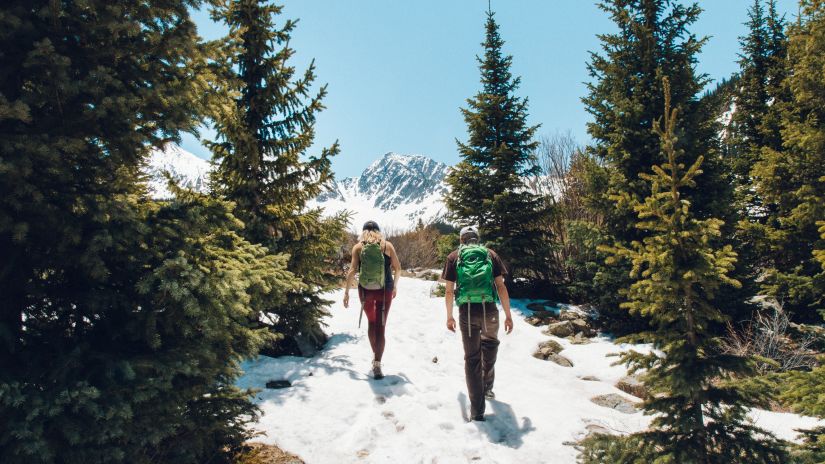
pixel 336 413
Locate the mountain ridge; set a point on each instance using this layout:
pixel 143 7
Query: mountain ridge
pixel 396 190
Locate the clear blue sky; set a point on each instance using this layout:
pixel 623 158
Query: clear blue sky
pixel 398 71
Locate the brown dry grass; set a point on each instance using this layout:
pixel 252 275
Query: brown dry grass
pixel 260 453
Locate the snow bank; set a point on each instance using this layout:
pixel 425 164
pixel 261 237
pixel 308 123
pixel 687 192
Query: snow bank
pixel 335 413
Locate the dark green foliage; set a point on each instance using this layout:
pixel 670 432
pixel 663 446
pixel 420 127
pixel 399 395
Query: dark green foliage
pixel 754 97
pixel 446 244
pixel 700 415
pixel 791 179
pixel 803 392
pixel 487 186
pixel 762 69
pixel 265 118
pixel 122 321
pixel 625 97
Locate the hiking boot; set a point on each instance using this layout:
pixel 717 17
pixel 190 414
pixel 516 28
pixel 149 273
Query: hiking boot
pixel 479 418
pixel 489 394
pixel 376 370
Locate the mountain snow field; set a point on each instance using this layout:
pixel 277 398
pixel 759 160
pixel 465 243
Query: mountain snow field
pixel 186 169
pixel 334 412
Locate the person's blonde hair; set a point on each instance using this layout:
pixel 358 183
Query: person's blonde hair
pixel 371 236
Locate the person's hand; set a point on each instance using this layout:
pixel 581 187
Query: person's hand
pixel 508 324
pixel 451 324
pixel 394 292
pixel 346 299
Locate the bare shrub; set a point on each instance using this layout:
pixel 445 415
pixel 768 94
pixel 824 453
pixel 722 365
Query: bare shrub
pixel 416 248
pixel 766 337
pixel 563 182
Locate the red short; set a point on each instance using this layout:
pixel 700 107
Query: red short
pixel 376 304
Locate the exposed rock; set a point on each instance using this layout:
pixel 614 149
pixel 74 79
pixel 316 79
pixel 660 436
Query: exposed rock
pixel 278 384
pixel 580 325
pixel 428 274
pixel 569 315
pixel 615 401
pixel 560 329
pixel 435 359
pixel 535 321
pixel 560 360
pixel 632 385
pixel 579 339
pixel 589 378
pixel 256 453
pixel 552 345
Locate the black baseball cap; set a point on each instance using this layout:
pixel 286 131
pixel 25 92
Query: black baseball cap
pixel 371 225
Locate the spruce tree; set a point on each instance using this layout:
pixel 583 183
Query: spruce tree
pixel 700 412
pixel 625 97
pixel 265 125
pixel 488 184
pixel 791 179
pixel 761 73
pixel 753 127
pixel 123 320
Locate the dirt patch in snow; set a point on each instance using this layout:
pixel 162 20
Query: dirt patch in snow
pixel 260 453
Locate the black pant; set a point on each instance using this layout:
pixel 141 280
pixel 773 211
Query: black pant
pixel 480 339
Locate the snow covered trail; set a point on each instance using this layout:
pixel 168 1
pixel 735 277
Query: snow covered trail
pixel 336 413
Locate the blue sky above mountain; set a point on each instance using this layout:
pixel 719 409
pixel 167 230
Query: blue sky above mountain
pixel 399 71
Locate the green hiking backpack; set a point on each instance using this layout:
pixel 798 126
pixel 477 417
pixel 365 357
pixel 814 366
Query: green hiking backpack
pixel 474 271
pixel 372 267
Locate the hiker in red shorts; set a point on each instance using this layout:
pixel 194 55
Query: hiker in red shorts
pixel 373 258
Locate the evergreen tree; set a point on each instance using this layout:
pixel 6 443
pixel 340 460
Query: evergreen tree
pixel 753 127
pixel 123 321
pixel 625 97
pixel 265 126
pixel 791 179
pixel 488 185
pixel 761 73
pixel 802 391
pixel 700 413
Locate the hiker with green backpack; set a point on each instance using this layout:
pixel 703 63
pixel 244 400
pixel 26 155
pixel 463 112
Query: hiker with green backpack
pixel 475 281
pixel 374 258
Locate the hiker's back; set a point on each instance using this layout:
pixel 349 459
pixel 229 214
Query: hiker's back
pixel 474 275
pixel 373 271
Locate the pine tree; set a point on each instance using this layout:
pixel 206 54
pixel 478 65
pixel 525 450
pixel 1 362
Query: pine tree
pixel 791 179
pixel 487 186
pixel 265 126
pixel 753 127
pixel 123 320
pixel 625 97
pixel 761 73
pixel 700 413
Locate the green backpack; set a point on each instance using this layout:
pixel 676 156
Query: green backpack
pixel 474 271
pixel 372 267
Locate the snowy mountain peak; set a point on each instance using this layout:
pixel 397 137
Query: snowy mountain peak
pixel 187 169
pixel 396 190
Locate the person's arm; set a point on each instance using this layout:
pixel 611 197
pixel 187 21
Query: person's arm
pixel 353 266
pixel 396 268
pixel 505 303
pixel 449 296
